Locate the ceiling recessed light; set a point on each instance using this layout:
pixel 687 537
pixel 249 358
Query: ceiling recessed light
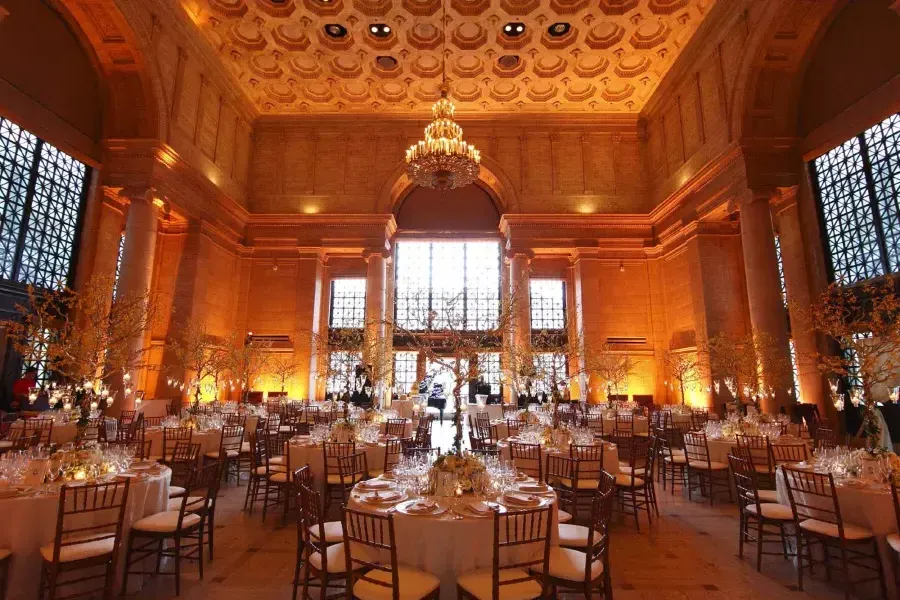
pixel 386 62
pixel 559 29
pixel 508 61
pixel 334 30
pixel 379 30
pixel 514 29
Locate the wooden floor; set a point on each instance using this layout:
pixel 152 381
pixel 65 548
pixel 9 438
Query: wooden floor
pixel 689 553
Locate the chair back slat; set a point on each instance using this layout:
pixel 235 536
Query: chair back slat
pixel 527 458
pixel 813 496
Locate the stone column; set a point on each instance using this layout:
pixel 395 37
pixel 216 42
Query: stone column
pixel 136 272
pixel 588 300
pixel 520 295
pixel 767 312
pixel 576 363
pixel 376 298
pixel 796 278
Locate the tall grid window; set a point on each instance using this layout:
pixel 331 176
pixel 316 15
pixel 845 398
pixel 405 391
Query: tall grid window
pixel 42 192
pixel 489 367
pixel 448 285
pixel 341 371
pixel 405 370
pixel 348 304
pixel 781 279
pixel 548 304
pixel 794 370
pixel 858 187
pixel 551 368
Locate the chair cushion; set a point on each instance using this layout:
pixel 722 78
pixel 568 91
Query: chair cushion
pixel 165 522
pixel 625 480
pixel 337 561
pixel 91 547
pixel 228 453
pixel 414 585
pixel 6 444
pixel 335 479
pixel 640 471
pixel 583 484
pixel 564 517
pixel 851 532
pixel 245 448
pixel 480 584
pixel 272 469
pixel 569 564
pixel 175 491
pixel 575 536
pixel 334 532
pixel 893 541
pixel 768 496
pixel 277 460
pixel 194 503
pixel 281 477
pixel 773 510
pixel 711 466
pixel 679 459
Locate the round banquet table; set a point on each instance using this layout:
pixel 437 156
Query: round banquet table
pixel 720 449
pixel 404 408
pixel 868 505
pixel 444 546
pixel 30 522
pixel 306 453
pixel 209 440
pixel 610 455
pixel 494 411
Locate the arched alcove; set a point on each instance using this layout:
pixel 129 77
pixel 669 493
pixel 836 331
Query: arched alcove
pixel 42 60
pixel 469 208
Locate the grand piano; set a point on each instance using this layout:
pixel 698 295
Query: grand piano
pixel 436 399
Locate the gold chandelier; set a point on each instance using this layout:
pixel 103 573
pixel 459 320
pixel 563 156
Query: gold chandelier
pixel 443 160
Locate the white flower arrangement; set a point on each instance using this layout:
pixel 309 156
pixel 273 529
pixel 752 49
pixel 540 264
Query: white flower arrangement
pixel 465 466
pixel 343 431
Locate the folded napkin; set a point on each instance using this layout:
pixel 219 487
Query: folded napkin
pixel 376 484
pixel 422 505
pixel 523 499
pixel 387 496
pixel 479 507
pixel 533 487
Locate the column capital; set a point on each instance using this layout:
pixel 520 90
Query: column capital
pixel 760 194
pixel 376 252
pixel 787 198
pixel 138 193
pixel 512 253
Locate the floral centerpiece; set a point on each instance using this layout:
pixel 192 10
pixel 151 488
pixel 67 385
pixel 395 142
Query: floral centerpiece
pixel 81 464
pixel 894 462
pixel 343 431
pixel 558 436
pixel 455 471
pixel 731 427
pixel 528 417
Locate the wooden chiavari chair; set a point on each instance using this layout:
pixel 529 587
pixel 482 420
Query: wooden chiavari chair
pixel 229 450
pixel 393 450
pixel 202 501
pixel 699 418
pixel 279 485
pixel 752 510
pixel 331 453
pixel 185 458
pixel 710 475
pixel 18 440
pixel 586 569
pixel 171 437
pixel 824 438
pixel 260 469
pixel 109 431
pixel 674 460
pixel 624 422
pixel 324 559
pixel 513 426
pixel 352 469
pixel 368 536
pixel 562 476
pixel 395 428
pixel 818 521
pixel 759 448
pixel 789 453
pixel 42 427
pixel 634 482
pixel 525 534
pixel 126 418
pixel 528 459
pixel 88 533
pixel 149 536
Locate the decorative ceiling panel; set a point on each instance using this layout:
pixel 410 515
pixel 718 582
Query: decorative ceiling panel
pixel 364 56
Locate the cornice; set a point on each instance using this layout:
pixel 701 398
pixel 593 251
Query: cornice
pixel 326 221
pixel 573 221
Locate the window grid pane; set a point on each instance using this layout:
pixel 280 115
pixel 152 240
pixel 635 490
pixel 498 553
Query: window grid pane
pixel 53 220
pixel 781 271
pixel 548 307
pixel 17 149
pixel 341 372
pixel 449 285
pixel 847 211
pixel 405 370
pixel 550 368
pixel 883 145
pixel 348 304
pixel 489 369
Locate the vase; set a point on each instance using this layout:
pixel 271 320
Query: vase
pixel 445 484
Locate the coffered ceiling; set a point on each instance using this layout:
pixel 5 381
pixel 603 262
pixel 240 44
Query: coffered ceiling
pixel 609 56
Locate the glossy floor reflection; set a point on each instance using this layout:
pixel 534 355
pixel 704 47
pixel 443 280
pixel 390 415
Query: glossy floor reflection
pixel 689 553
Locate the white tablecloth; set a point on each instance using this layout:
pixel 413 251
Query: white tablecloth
pixel 404 408
pixel 610 456
pixel 445 547
pixel 720 449
pixel 407 429
pixel 313 455
pixel 30 521
pixel 60 434
pixel 494 411
pixel 868 506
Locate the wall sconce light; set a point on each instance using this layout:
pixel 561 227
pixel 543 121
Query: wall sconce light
pixel 621 266
pixel 275 265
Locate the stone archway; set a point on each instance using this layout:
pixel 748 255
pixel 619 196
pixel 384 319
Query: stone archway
pixel 135 106
pixel 491 179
